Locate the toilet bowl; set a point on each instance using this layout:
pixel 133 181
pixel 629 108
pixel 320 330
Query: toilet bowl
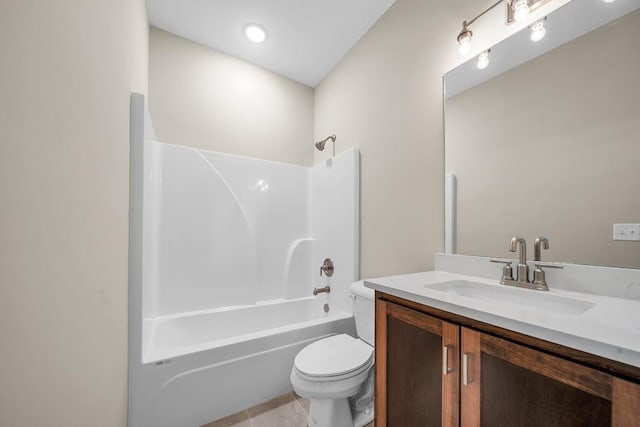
pixel 336 373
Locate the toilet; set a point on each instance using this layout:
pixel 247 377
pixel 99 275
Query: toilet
pixel 336 373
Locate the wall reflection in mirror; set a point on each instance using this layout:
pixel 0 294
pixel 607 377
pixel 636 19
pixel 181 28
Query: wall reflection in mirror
pixel 545 141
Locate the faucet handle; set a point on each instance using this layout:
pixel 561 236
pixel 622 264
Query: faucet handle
pixel 327 267
pixel 539 278
pixel 507 270
pixel 548 265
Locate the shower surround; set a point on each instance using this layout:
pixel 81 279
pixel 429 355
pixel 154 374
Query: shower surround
pixel 231 248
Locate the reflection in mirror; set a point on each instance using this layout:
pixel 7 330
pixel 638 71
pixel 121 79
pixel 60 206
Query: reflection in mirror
pixel 550 146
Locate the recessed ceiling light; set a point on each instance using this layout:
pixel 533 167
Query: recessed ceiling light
pixel 255 33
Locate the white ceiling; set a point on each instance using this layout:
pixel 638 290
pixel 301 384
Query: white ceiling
pixel 305 38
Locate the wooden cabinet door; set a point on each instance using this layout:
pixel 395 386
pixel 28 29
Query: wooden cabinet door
pixel 507 384
pixel 417 360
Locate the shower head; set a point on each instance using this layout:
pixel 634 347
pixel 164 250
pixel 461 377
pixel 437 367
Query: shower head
pixel 320 144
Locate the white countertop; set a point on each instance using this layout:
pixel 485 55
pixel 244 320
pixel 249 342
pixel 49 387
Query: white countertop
pixel 610 329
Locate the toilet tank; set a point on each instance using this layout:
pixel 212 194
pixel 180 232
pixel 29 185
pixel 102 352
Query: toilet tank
pixel 364 311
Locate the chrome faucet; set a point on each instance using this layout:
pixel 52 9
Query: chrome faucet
pixel 327 267
pixel 317 291
pixel 539 277
pixel 536 247
pixel 522 272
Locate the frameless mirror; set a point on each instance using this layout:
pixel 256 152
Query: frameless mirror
pixel 545 141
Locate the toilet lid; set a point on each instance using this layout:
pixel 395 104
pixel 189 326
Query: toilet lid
pixel 333 356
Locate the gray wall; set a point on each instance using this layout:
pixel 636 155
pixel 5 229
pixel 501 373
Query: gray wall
pixel 202 98
pixel 68 68
pixel 385 97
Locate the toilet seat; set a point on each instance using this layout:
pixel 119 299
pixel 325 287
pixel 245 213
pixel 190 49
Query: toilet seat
pixel 334 358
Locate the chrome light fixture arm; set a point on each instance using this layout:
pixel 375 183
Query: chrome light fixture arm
pixel 518 10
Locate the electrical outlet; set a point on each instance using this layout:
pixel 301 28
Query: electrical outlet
pixel 626 232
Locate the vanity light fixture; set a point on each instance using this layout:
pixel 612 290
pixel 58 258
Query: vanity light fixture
pixel 464 39
pixel 483 59
pixel 521 9
pixel 537 30
pixel 255 33
pixel 517 10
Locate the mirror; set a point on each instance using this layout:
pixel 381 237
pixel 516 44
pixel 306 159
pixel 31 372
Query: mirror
pixel 545 141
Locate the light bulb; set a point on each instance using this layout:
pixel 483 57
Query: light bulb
pixel 465 46
pixel 255 33
pixel 538 31
pixel 609 1
pixel 520 9
pixel 464 40
pixel 483 59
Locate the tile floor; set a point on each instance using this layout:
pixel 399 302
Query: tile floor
pixel 288 410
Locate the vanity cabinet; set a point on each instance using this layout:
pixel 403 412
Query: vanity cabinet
pixel 417 359
pixel 436 370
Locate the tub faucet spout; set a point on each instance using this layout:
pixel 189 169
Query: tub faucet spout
pixel 317 291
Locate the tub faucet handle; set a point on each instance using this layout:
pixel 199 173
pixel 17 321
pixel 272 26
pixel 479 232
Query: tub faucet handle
pixel 327 267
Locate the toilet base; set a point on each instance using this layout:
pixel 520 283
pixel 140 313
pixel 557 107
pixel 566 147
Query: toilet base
pixel 364 417
pixel 330 413
pixel 337 413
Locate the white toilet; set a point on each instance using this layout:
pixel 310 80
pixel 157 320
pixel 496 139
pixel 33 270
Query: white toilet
pixel 336 373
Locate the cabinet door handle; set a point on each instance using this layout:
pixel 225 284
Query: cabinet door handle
pixel 445 360
pixel 466 379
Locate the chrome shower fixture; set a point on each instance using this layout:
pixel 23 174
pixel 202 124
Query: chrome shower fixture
pixel 320 144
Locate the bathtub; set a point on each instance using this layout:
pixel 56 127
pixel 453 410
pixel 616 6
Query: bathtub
pixel 201 366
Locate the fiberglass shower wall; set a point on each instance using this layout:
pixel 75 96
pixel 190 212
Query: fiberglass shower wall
pixel 222 230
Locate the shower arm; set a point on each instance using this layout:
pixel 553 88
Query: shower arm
pixel 324 141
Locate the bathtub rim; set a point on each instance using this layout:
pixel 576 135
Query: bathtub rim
pixel 158 355
pixel 277 301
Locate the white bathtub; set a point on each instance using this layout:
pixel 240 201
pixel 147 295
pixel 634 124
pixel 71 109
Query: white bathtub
pixel 201 366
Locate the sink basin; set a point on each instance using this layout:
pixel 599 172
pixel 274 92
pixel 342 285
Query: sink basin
pixel 539 301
